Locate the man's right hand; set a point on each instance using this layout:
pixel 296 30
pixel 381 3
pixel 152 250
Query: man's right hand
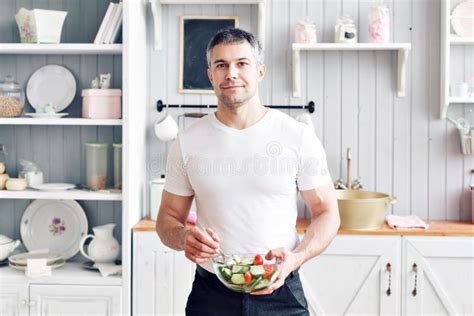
pixel 198 247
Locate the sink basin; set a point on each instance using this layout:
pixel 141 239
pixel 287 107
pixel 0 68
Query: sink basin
pixel 362 210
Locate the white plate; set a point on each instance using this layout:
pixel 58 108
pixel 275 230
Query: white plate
pixel 52 84
pixel 22 268
pixel 57 225
pixel 46 115
pixel 53 186
pixel 462 19
pixel 22 258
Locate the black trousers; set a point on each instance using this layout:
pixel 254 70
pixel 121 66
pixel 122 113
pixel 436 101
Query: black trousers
pixel 209 297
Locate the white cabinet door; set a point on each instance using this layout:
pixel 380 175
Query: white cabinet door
pixel 75 300
pixel 162 277
pixel 443 276
pixel 352 276
pixel 13 299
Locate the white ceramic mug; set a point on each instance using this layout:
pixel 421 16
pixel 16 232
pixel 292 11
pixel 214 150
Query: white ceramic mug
pixel 166 128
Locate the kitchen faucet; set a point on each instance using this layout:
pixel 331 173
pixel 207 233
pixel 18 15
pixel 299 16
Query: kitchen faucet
pixel 349 185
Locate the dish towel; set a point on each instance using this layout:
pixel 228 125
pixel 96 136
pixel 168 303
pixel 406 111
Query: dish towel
pixel 109 269
pixel 405 222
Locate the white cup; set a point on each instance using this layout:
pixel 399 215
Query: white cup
pixel 166 128
pixel 305 118
pixel 459 90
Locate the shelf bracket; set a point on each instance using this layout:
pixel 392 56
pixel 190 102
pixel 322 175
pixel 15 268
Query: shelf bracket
pixel 156 10
pixel 296 73
pixel 402 65
pixel 157 18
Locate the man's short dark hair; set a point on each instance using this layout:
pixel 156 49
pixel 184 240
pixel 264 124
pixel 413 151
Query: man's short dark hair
pixel 235 36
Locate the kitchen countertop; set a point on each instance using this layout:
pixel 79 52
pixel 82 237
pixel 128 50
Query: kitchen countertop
pixel 436 228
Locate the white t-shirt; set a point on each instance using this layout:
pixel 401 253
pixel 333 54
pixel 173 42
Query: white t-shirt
pixel 245 182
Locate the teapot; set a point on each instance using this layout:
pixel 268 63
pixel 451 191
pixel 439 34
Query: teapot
pixel 104 248
pixel 7 245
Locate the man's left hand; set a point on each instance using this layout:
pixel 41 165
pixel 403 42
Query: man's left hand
pixel 288 262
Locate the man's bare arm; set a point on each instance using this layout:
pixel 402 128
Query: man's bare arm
pixel 325 222
pixel 171 228
pixel 171 221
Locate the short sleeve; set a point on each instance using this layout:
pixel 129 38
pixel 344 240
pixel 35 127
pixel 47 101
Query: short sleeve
pixel 312 166
pixel 177 181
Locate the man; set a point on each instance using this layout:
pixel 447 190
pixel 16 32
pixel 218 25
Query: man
pixel 244 164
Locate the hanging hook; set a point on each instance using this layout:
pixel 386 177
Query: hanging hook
pixel 159 105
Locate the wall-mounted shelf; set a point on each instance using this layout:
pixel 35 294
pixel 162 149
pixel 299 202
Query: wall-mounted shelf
pixel 60 195
pixel 402 49
pixel 456 40
pixel 61 121
pixel 156 9
pixel 449 39
pixel 461 100
pixel 61 49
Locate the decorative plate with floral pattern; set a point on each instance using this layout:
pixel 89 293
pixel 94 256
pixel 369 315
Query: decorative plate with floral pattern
pixel 57 225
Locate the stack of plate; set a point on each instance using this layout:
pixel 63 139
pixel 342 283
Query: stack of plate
pixel 53 259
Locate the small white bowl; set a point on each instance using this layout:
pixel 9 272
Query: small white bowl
pixel 16 184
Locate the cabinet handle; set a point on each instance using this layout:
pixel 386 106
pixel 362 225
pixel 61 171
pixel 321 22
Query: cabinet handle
pixel 32 303
pixel 389 270
pixel 414 268
pixel 24 302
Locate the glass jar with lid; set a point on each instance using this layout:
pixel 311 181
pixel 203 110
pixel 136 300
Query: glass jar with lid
pixel 12 98
pixel 96 165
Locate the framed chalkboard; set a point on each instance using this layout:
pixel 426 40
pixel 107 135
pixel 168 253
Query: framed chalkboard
pixel 195 34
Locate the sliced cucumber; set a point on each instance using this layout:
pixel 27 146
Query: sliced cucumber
pixel 237 259
pixel 262 284
pixel 247 261
pixel 274 275
pixel 257 270
pixel 240 269
pixel 237 279
pixel 226 273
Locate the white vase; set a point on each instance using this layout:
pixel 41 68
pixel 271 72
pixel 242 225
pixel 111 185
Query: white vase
pixel 104 248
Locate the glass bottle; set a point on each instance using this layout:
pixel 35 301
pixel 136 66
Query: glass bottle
pixel 12 98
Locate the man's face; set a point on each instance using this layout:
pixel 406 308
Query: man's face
pixel 234 73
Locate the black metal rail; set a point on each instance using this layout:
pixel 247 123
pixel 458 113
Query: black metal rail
pixel 160 106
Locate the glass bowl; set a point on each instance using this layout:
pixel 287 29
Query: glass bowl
pixel 245 273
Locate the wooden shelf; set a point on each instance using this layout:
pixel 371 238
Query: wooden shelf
pixel 30 194
pixel 401 48
pixel 61 49
pixel 156 9
pixel 60 121
pixel 461 100
pixel 456 40
pixel 70 273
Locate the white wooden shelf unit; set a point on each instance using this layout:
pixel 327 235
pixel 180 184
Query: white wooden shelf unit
pixel 70 273
pixel 61 49
pixel 447 40
pixel 61 121
pixel 401 48
pixel 134 84
pixel 156 9
pixel 74 194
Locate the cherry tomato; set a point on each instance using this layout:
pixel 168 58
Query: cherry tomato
pixel 258 260
pixel 268 270
pixel 248 277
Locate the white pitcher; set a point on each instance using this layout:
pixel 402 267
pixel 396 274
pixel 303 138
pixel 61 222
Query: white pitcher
pixel 104 248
